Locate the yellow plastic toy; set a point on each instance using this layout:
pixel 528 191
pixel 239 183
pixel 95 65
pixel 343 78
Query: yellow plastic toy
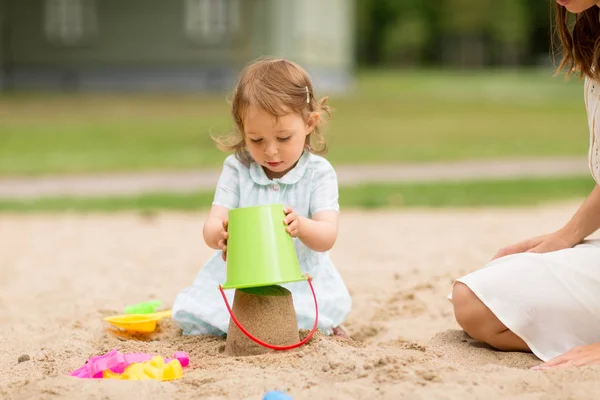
pixel 138 322
pixel 154 369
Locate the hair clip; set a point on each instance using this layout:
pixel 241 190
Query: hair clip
pixel 307 95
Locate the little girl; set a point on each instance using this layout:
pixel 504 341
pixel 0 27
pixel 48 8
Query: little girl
pixel 275 162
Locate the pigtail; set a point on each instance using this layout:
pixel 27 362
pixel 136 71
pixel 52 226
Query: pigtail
pixel 316 142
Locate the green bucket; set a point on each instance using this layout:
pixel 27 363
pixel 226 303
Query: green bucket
pixel 259 250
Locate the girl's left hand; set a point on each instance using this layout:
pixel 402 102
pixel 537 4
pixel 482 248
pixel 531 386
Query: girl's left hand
pixel 576 357
pixel 292 221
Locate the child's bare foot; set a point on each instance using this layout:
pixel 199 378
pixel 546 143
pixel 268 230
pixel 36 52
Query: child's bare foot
pixel 340 331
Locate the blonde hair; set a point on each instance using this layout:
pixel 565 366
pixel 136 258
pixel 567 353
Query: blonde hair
pixel 279 87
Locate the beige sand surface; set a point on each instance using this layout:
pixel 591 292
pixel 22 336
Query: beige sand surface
pixel 61 274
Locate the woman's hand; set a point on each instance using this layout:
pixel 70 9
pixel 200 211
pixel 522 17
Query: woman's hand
pixel 292 221
pixel 539 244
pixel 576 357
pixel 223 240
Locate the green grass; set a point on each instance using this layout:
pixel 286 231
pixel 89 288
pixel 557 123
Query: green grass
pixel 372 196
pixel 388 117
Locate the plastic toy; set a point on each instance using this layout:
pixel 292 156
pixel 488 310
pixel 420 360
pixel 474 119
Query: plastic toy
pixel 147 307
pixel 261 253
pixel 138 322
pixel 275 395
pixel 117 363
pixel 155 369
pixel 259 250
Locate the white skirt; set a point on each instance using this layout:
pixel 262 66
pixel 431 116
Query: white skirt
pixel 550 300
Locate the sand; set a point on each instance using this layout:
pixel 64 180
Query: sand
pixel 61 274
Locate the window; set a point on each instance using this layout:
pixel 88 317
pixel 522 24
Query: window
pixel 69 22
pixel 211 20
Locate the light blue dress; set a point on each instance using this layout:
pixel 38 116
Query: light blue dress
pixel 311 186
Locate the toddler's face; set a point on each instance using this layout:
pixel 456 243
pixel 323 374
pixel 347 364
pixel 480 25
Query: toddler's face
pixel 276 143
pixel 577 6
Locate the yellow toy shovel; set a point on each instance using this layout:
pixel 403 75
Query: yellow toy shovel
pixel 138 322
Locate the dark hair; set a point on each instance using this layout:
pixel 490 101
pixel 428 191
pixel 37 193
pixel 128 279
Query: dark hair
pixel 580 41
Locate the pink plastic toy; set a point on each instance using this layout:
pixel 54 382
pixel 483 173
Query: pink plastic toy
pixel 117 362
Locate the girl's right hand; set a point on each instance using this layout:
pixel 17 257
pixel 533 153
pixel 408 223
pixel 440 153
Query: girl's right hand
pixel 223 241
pixel 539 244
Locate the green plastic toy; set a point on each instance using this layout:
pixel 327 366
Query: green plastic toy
pixel 147 307
pixel 259 250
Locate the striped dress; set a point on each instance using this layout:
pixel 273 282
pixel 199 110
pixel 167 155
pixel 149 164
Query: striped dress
pixel 311 186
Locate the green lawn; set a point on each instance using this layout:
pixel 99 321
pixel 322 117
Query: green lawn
pixel 472 194
pixel 389 117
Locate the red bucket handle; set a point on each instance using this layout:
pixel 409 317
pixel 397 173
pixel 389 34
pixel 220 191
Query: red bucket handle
pixel 271 346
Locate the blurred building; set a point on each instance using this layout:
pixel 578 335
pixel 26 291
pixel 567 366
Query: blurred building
pixel 87 45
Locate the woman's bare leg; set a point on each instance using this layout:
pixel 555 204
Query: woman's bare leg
pixel 480 323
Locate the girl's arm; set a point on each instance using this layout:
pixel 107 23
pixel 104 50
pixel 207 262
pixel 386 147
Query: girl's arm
pixel 213 226
pixel 319 233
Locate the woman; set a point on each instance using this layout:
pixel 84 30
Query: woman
pixel 543 294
